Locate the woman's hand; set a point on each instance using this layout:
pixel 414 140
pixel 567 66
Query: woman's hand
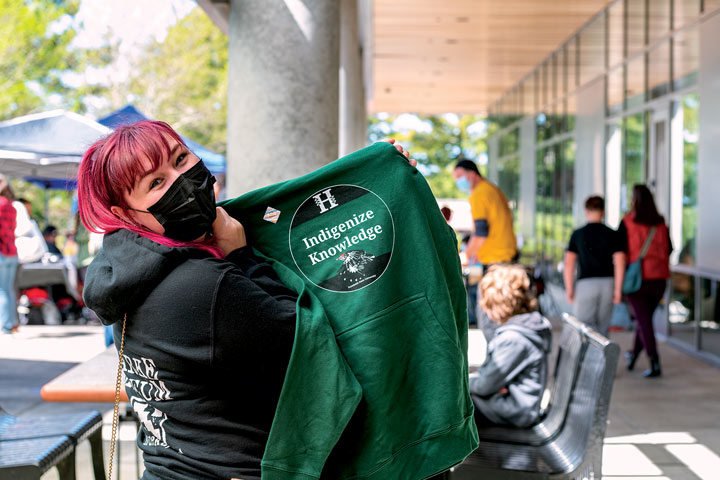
pixel 400 149
pixel 229 233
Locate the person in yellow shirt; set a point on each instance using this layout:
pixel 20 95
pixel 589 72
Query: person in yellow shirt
pixel 494 238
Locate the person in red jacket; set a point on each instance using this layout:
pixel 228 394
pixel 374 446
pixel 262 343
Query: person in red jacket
pixel 633 231
pixel 8 259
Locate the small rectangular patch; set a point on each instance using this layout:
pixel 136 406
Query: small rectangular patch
pixel 271 215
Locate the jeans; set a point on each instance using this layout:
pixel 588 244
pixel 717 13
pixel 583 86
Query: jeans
pixel 8 304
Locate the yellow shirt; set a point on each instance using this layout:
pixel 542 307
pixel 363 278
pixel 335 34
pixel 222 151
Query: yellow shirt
pixel 493 219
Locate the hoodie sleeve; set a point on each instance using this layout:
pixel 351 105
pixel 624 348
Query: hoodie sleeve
pixel 254 319
pixel 505 359
pixel 261 273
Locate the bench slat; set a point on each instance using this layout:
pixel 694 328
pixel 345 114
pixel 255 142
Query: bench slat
pixel 42 453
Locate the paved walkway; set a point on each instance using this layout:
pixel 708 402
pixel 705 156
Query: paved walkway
pixel 661 428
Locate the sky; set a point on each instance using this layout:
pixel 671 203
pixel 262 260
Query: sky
pixel 133 22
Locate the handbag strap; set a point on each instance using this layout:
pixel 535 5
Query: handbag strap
pixel 116 408
pixel 648 240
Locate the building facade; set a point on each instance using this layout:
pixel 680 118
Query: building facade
pixel 632 97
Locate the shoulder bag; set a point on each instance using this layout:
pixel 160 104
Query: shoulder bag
pixel 633 274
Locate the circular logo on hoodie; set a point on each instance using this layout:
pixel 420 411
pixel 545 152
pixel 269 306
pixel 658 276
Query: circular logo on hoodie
pixel 342 238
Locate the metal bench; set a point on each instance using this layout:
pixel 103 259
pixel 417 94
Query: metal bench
pixel 28 459
pixel 29 446
pixel 571 447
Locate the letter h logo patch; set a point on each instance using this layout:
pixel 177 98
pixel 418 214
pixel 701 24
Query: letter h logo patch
pixel 326 203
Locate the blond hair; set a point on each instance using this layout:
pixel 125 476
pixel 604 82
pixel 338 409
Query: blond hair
pixel 505 292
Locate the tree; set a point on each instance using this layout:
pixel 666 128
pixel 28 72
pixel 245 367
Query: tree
pixel 183 80
pixel 35 51
pixel 437 142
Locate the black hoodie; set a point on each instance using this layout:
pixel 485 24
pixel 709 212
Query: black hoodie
pixel 207 345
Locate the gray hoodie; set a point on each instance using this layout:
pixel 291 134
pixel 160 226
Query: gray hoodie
pixel 517 360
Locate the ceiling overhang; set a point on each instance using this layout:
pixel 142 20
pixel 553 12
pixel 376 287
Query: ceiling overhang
pixel 431 56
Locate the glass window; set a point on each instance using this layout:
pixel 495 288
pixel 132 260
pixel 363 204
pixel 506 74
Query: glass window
pixel 615 90
pixel 509 143
pixel 685 11
pixel 681 309
pixel 592 50
pixel 658 20
pixel 686 58
pixel 556 234
pixel 690 106
pixel 509 180
pixel 635 84
pixel 528 95
pixel 539 201
pixel 709 316
pixel 635 26
pixel 541 124
pixel 634 157
pixel 572 64
pixel 571 113
pixel 616 46
pixel 559 121
pixel 568 188
pixel 659 70
pixel 555 123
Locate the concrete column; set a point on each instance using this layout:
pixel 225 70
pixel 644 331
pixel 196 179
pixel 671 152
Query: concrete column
pixel 353 114
pixel 528 178
pixel 282 90
pixel 590 151
pixel 708 227
pixel 493 148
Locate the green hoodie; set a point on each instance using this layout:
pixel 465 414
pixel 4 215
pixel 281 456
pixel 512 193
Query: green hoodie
pixel 364 244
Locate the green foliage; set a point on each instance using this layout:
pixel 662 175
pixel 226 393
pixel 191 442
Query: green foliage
pixel 183 80
pixel 437 143
pixel 34 53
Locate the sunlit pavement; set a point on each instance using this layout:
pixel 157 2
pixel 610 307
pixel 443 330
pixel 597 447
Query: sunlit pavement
pixel 660 428
pixel 666 427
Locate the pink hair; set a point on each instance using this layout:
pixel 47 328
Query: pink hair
pixel 109 170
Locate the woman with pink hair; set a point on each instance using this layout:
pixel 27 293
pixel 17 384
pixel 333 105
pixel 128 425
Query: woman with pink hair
pixel 204 327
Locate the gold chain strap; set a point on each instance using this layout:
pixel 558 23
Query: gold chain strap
pixel 116 409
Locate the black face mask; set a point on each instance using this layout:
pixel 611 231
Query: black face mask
pixel 187 209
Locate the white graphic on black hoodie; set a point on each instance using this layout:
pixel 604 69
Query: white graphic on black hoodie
pixel 142 386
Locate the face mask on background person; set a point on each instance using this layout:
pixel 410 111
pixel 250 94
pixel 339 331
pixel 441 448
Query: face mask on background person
pixel 464 185
pixel 187 209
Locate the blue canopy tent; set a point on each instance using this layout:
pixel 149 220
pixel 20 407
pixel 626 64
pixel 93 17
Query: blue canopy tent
pixel 47 147
pixel 128 115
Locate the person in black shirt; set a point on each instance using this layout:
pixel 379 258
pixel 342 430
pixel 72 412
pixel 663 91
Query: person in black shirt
pixel 597 251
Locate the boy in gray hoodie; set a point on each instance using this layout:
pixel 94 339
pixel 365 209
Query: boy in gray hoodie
pixel 508 387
